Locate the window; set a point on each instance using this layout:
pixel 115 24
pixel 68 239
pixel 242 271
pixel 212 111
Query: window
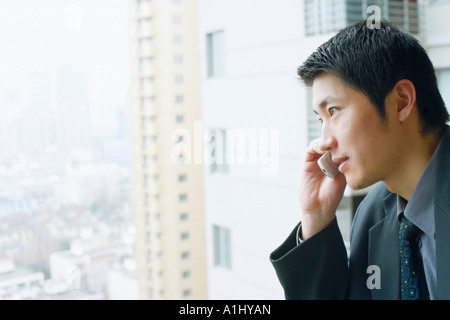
pixel 147 104
pixel 147 199
pixel 218 150
pixel 187 293
pixel 178 79
pixel 183 216
pixel 222 247
pixel 150 274
pixel 215 54
pixel 176 19
pixel 180 118
pixel 186 274
pixel 144 24
pixel 314 125
pixel 145 66
pixel 145 141
pixel 182 178
pixel 176 39
pixel 177 59
pixel 184 236
pixel 323 16
pixel 404 13
pixel 183 197
pixel 145 47
pixel 179 98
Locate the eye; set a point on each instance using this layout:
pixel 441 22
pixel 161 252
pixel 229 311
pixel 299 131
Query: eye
pixel 332 111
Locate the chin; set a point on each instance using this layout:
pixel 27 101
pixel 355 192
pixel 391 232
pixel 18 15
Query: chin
pixel 358 183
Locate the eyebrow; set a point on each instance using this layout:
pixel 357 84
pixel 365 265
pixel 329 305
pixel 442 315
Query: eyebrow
pixel 325 102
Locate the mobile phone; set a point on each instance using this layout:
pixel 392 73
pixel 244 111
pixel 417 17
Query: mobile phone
pixel 327 165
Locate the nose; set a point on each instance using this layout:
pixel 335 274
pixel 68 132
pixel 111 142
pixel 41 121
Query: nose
pixel 327 140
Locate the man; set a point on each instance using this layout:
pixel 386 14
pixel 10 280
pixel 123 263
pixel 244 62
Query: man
pixel 383 121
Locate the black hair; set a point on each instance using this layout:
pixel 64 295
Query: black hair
pixel 373 60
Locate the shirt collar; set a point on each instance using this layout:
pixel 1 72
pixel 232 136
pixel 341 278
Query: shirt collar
pixel 420 208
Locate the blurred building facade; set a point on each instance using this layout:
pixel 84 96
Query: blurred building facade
pixel 167 186
pixel 251 101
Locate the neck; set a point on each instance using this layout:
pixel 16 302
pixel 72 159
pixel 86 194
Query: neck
pixel 406 175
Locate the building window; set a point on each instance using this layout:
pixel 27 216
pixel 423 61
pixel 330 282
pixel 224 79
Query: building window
pixel 180 118
pixel 178 79
pixel 184 236
pixel 145 47
pixel 183 216
pixel 182 178
pixel 215 46
pixel 176 19
pixel 179 98
pixel 404 13
pixel 177 59
pixel 314 125
pixel 218 150
pixel 187 293
pixel 323 16
pixel 185 255
pixel 183 197
pixel 177 38
pixel 222 246
pixel 186 274
pixel 147 104
pixel 144 25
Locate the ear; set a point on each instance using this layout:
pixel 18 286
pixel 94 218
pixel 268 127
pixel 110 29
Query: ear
pixel 405 96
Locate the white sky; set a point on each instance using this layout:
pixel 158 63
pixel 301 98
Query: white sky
pixel 40 35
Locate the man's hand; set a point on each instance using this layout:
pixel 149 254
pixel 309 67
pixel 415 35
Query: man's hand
pixel 319 195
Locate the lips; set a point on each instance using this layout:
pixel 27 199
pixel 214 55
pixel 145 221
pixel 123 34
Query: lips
pixel 342 162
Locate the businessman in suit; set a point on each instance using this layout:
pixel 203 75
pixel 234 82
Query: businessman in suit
pixel 384 123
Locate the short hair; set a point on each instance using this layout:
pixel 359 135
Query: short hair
pixel 373 60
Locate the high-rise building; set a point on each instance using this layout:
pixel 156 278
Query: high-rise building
pixel 167 186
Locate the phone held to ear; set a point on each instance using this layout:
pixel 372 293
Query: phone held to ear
pixel 327 165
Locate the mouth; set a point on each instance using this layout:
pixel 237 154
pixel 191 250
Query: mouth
pixel 342 162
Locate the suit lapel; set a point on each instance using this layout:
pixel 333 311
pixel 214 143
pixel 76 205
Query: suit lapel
pixel 442 221
pixel 442 253
pixel 383 252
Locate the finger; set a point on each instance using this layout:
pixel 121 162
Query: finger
pixel 313 151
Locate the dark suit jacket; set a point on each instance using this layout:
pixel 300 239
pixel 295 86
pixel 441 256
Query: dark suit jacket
pixel 319 268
